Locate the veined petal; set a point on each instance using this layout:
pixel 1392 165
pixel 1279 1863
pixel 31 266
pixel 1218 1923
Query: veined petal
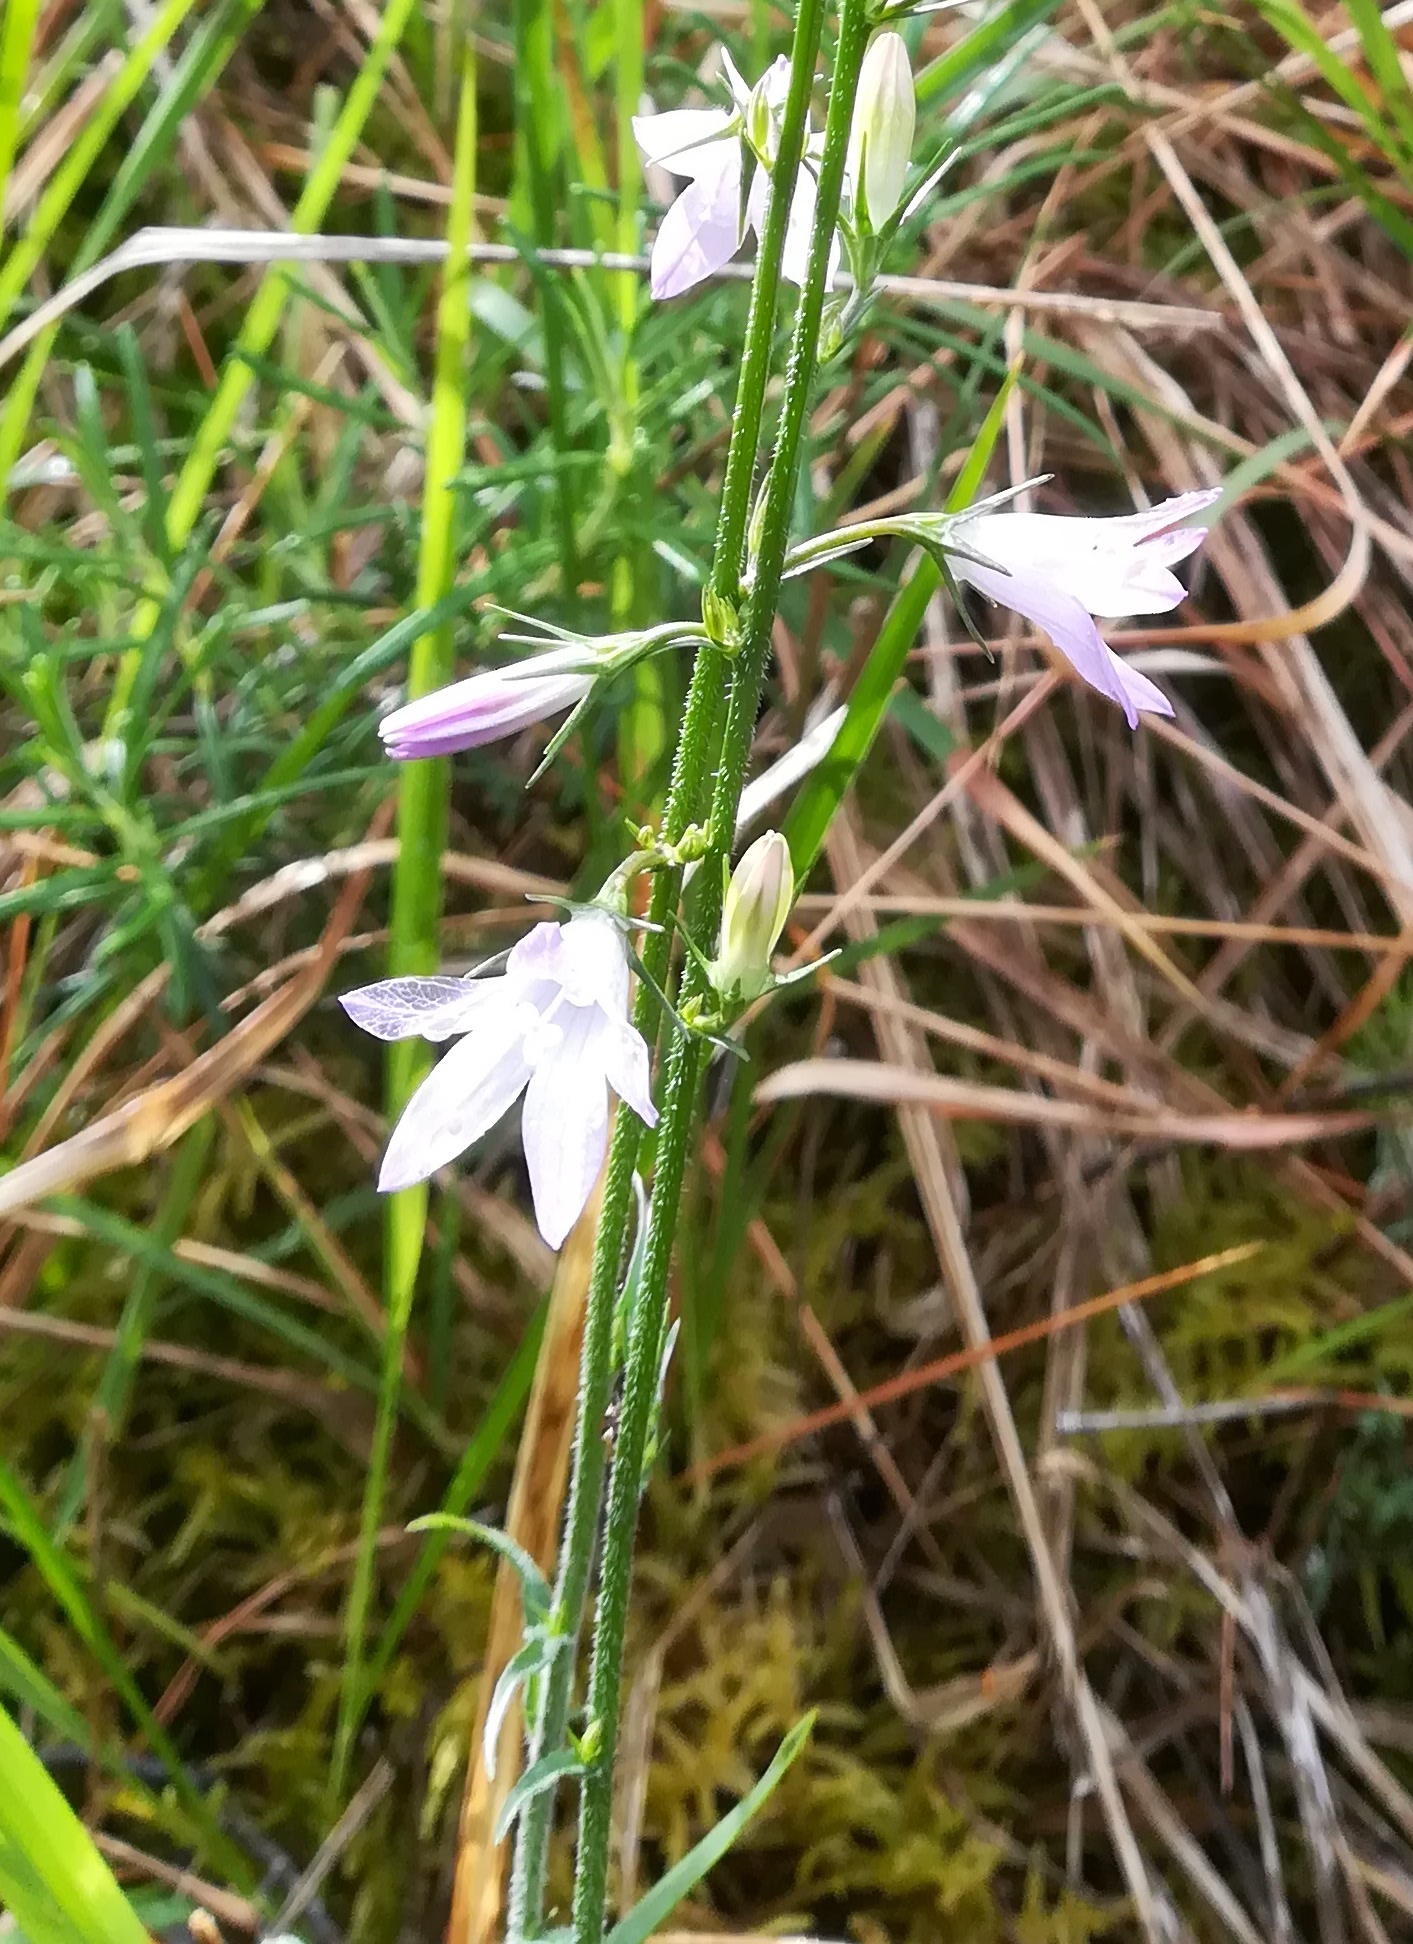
pixel 678 139
pixel 484 707
pixel 625 1057
pixel 794 260
pixel 735 80
pixel 593 965
pixel 465 1094
pixel 396 1009
pixel 701 232
pixel 1109 585
pixel 565 1125
pixel 537 955
pixel 1070 626
pixel 1167 513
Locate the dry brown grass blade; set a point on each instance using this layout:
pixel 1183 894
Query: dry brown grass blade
pixel 1251 1129
pixel 990 794
pixel 941 1368
pixel 162 1113
pixel 533 1519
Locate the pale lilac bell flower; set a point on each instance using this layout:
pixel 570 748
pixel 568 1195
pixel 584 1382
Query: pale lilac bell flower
pixel 707 223
pixel 486 707
pixel 553 1026
pixel 1062 570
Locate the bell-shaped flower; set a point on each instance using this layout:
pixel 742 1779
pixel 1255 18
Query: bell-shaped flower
pixel 709 148
pixel 1060 571
pixel 486 707
pixel 553 1026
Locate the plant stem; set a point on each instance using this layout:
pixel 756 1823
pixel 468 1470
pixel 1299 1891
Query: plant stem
pixel 684 1058
pixel 691 767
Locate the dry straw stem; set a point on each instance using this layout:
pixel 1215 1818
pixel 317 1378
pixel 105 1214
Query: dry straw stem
pixel 161 1114
pixel 533 1515
pixel 159 245
pixel 941 1368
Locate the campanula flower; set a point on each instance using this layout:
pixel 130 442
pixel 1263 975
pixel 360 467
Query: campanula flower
pixel 1060 571
pixel 711 149
pixel 485 707
pixel 553 1026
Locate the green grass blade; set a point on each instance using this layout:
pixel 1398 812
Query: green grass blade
pixel 679 1882
pixel 16 44
pixel 53 1880
pixel 423 795
pixel 262 320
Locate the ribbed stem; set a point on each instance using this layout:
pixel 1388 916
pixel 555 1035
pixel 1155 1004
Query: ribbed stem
pixel 692 767
pixel 684 1057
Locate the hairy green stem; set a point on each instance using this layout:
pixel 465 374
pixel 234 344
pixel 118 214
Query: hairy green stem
pixel 691 769
pixel 684 1058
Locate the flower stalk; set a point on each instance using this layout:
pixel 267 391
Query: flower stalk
pixel 684 1055
pixel 691 767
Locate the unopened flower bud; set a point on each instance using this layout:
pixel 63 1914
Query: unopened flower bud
pixel 881 138
pixel 758 901
pixel 760 121
pixel 721 621
pixel 487 707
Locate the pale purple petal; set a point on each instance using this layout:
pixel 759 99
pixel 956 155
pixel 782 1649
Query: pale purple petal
pixel 735 81
pixel 1116 584
pixel 435 1009
pixel 537 955
pixel 1167 513
pixel 565 1125
pixel 677 139
pixel 593 964
pixel 701 232
pixel 483 708
pixel 463 1096
pixel 794 261
pixel 624 1053
pixel 1071 628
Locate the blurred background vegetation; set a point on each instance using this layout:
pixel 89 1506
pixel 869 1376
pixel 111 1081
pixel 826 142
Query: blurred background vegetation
pixel 1164 977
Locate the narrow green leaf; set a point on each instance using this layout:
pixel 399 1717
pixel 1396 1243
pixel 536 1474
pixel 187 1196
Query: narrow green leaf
pixel 683 1878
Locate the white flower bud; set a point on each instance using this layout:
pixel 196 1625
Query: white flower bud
pixel 758 901
pixel 881 138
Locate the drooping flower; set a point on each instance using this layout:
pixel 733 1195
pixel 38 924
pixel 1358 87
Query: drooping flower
pixel 881 134
pixel 753 914
pixel 553 1026
pixel 1060 571
pixel 709 149
pixel 485 707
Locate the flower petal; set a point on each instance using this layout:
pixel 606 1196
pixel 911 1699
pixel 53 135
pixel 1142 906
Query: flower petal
pixel 625 1057
pixel 1167 513
pixel 466 1093
pixel 565 1125
pixel 483 708
pixel 593 964
pixel 678 139
pixel 396 1009
pixel 1071 628
pixel 702 230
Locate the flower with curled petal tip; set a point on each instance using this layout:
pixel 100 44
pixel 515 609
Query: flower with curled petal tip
pixel 553 1026
pixel 483 708
pixel 708 221
pixel 1060 571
